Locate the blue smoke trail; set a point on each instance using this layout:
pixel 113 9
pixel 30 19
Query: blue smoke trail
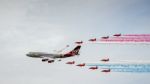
pixel 124 67
pixel 141 70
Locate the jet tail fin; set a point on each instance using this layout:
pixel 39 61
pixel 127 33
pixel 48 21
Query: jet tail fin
pixel 75 51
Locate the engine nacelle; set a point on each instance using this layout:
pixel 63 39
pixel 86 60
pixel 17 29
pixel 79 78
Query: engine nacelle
pixel 50 61
pixel 45 59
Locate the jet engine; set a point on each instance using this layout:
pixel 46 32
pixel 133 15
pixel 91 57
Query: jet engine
pixel 45 59
pixel 50 61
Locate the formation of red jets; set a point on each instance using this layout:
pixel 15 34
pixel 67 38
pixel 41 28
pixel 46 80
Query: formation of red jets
pixel 94 39
pixel 83 64
pixel 103 60
pixel 93 67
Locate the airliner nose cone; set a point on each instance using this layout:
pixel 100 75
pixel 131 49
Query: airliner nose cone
pixel 27 55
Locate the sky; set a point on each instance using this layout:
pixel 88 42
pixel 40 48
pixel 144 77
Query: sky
pixel 47 25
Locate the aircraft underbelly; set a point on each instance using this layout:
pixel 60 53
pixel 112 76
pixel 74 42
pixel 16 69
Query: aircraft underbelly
pixel 53 55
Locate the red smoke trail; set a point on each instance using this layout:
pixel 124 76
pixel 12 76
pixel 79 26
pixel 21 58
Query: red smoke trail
pixel 136 35
pixel 129 38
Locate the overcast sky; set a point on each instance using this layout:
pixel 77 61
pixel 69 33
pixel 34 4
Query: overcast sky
pixel 47 25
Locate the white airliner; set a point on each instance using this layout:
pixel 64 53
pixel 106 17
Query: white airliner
pixel 45 56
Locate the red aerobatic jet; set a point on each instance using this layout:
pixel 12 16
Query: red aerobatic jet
pixel 93 68
pixel 105 37
pixel 81 65
pixel 79 42
pixel 71 62
pixel 117 35
pixel 106 70
pixel 92 40
pixel 105 60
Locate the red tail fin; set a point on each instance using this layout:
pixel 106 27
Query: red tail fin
pixel 75 51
